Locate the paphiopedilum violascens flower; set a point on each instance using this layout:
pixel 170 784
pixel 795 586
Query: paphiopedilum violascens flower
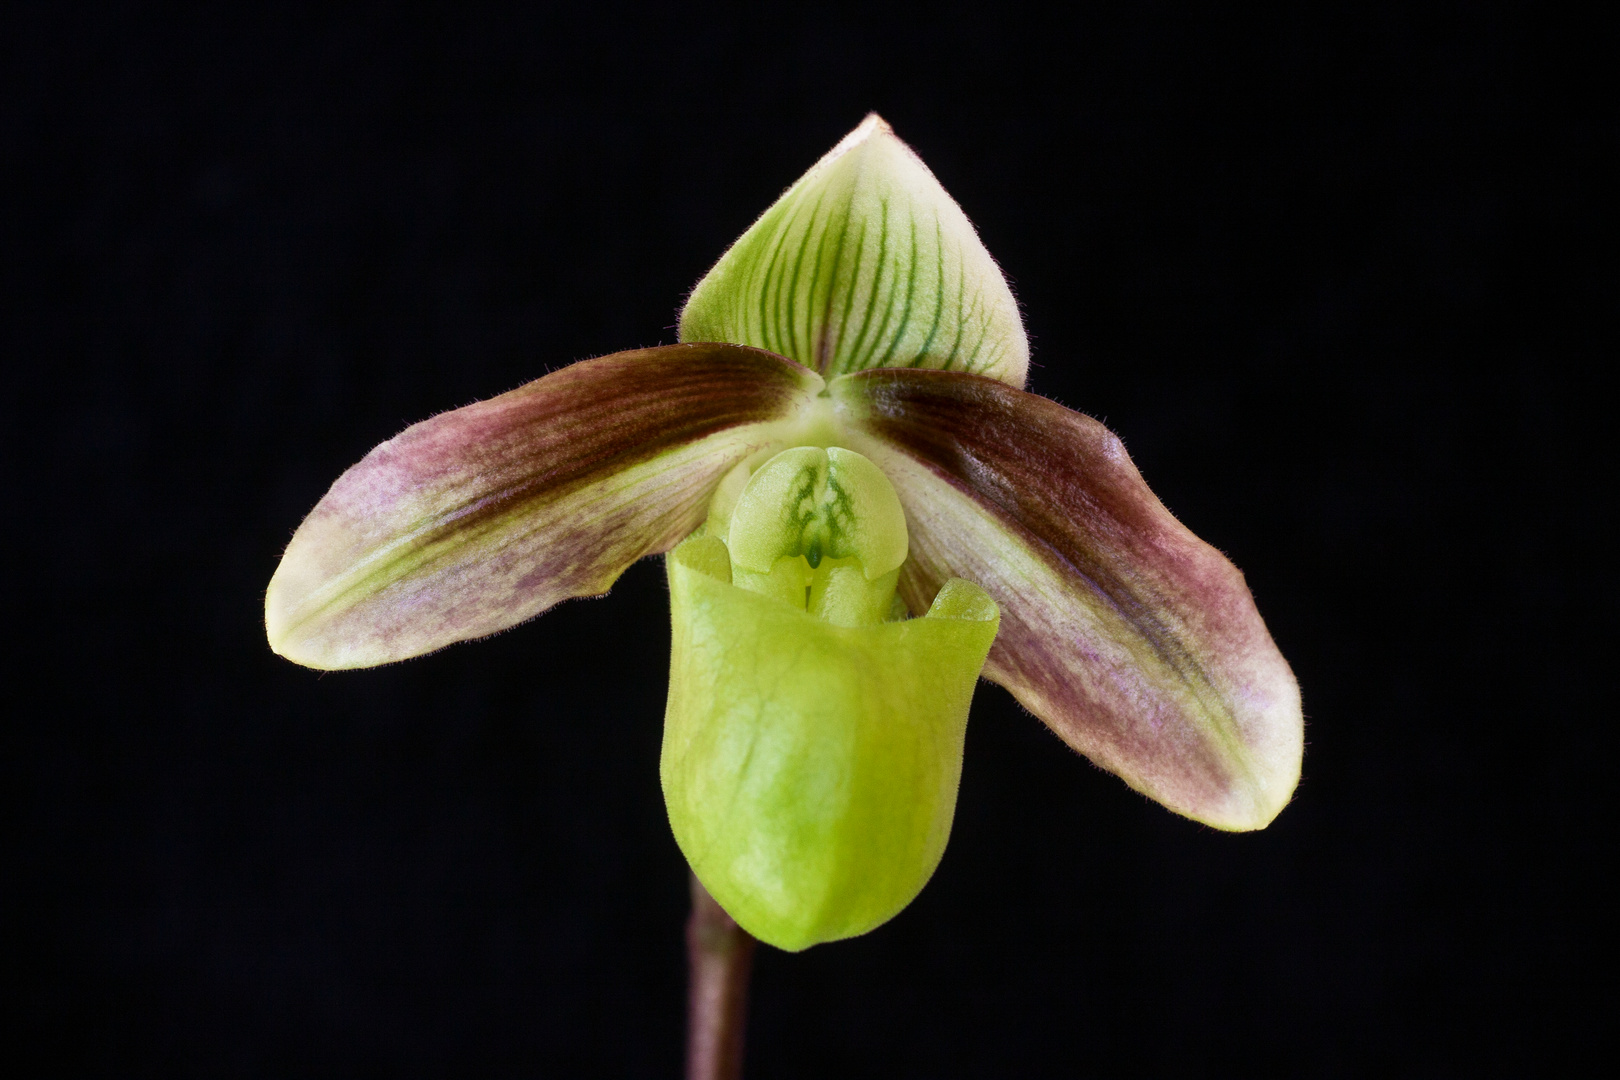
pixel 863 508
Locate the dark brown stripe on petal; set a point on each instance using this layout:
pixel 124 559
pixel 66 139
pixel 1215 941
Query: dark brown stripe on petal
pixel 484 516
pixel 1133 639
pixel 1054 476
pixel 544 440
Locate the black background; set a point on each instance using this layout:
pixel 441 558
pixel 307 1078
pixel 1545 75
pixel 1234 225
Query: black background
pixel 1325 268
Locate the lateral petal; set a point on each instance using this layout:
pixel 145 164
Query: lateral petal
pixel 865 262
pixel 1135 641
pixel 485 516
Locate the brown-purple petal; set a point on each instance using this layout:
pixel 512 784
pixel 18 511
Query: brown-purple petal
pixel 1135 641
pixel 485 516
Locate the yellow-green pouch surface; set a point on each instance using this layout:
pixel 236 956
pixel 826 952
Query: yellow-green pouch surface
pixel 810 770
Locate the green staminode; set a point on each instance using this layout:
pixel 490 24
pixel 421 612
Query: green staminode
pixel 813 747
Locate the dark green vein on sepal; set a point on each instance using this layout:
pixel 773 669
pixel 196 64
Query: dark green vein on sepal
pixel 961 320
pixel 771 292
pixel 855 353
pixel 911 292
pixel 812 345
pixel 823 338
pixel 939 293
pixel 849 301
pixel 881 334
pixel 784 323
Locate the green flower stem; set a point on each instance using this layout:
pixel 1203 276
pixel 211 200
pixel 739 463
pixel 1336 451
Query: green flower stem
pixel 721 957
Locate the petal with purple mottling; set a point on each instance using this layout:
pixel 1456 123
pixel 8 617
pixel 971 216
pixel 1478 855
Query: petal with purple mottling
pixel 1135 641
pixel 483 517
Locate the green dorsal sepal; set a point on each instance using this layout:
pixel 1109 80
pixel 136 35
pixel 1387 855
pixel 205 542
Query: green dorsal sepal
pixel 821 530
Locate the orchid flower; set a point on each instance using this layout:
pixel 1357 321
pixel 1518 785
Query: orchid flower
pixel 863 510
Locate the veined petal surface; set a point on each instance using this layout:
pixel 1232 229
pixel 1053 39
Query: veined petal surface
pixel 1135 641
pixel 485 516
pixel 865 262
